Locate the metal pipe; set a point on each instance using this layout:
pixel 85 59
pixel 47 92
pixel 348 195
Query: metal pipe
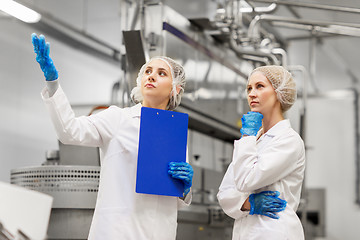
pixel 331 31
pixel 265 30
pixel 335 27
pixel 238 16
pixel 229 11
pixel 263 60
pixel 311 5
pixel 269 9
pixel 265 42
pixel 312 62
pixel 307 36
pixel 202 48
pixel 283 53
pixel 240 51
pixel 253 30
pixel 308 22
pixel 227 17
pixel 340 30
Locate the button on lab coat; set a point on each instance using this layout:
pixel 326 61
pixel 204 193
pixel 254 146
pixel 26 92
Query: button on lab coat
pixel 275 162
pixel 120 212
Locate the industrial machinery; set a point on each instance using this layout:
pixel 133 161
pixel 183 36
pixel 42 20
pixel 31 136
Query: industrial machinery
pixel 72 185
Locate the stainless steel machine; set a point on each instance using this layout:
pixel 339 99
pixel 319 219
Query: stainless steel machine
pixel 74 189
pixel 67 176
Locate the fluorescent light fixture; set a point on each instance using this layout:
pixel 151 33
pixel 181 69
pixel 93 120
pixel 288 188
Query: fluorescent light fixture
pixel 19 11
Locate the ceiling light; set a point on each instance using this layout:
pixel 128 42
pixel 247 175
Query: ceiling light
pixel 19 11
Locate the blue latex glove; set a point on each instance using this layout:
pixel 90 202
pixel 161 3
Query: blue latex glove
pixel 182 171
pixel 266 203
pixel 42 51
pixel 251 123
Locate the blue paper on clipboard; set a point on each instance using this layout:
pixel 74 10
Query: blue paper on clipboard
pixel 163 139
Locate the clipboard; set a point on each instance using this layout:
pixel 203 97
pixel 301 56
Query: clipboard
pixel 162 139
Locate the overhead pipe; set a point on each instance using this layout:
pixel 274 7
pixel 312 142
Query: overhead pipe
pixel 283 54
pixel 321 26
pixel 268 9
pixel 253 58
pixel 226 16
pixel 307 36
pixel 230 18
pixel 266 43
pixel 331 31
pixel 311 5
pixel 241 51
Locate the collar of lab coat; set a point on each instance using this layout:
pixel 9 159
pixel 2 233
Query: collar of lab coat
pixel 277 128
pixel 136 110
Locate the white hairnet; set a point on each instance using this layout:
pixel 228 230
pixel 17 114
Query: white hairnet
pixel 178 80
pixel 283 83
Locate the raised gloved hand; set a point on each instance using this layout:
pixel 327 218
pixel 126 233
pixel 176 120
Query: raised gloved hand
pixel 182 171
pixel 42 51
pixel 266 203
pixel 251 123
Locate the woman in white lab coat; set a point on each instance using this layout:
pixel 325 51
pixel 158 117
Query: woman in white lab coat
pixel 120 212
pixel 268 159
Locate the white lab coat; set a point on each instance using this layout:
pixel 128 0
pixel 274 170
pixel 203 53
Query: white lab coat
pixel 275 162
pixel 120 212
